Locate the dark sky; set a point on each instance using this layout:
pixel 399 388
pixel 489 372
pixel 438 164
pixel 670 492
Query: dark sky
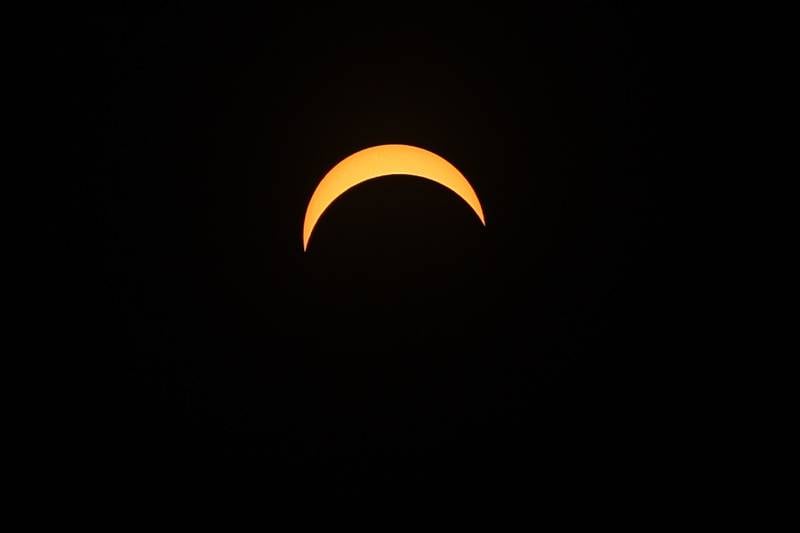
pixel 410 340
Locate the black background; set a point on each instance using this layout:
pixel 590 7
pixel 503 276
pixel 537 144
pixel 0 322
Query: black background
pixel 409 342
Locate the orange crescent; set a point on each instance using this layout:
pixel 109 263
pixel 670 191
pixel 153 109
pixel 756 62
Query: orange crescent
pixel 380 161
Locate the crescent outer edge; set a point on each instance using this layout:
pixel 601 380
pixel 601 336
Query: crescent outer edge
pixel 385 160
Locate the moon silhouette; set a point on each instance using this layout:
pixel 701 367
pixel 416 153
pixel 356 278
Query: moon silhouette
pixel 385 160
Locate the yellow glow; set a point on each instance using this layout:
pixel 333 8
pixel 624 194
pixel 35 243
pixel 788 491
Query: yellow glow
pixel 380 161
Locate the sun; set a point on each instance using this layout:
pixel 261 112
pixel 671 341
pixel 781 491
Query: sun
pixel 385 160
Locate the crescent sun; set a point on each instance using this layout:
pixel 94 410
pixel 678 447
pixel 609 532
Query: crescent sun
pixel 385 160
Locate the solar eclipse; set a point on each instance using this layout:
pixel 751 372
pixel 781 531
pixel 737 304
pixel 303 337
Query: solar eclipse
pixel 385 160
